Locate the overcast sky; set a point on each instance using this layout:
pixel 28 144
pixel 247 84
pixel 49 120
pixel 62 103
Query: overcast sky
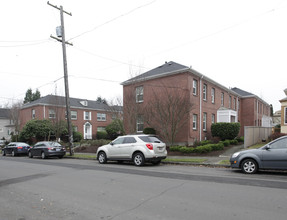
pixel 237 43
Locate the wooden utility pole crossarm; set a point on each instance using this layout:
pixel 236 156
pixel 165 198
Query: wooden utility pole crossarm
pixel 62 35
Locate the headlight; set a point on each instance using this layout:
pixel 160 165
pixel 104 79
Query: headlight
pixel 235 154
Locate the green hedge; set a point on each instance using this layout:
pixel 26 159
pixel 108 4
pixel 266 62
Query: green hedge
pixel 225 130
pixel 199 149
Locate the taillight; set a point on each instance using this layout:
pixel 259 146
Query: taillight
pixel 19 147
pixel 149 146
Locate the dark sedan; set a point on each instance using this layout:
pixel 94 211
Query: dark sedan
pixel 271 156
pixel 15 148
pixel 46 149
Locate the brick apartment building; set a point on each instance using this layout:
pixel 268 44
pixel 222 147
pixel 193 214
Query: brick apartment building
pixel 207 100
pixel 88 117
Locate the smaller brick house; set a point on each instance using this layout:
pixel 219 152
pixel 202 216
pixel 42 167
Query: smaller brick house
pixel 88 117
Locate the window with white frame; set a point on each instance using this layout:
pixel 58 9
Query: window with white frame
pixel 99 128
pixel 52 113
pixel 33 114
pixel 222 99
pixel 87 115
pixel 139 94
pixel 140 124
pixel 194 87
pixel 204 120
pixel 101 117
pixel 194 122
pixel 212 95
pixel 74 115
pixel 204 92
pixel 213 118
pixel 230 100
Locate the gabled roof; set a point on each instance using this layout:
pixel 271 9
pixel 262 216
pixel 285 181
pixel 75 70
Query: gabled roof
pixel 165 69
pixel 53 100
pixel 4 113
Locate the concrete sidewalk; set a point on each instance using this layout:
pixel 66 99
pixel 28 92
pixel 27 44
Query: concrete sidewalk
pixel 212 160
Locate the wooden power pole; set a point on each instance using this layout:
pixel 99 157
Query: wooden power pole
pixel 61 34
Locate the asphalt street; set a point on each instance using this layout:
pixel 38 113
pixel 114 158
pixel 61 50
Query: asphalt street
pixel 83 189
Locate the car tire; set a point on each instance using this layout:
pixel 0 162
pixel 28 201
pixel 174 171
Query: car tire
pixel 43 155
pixel 249 166
pixel 138 159
pixel 60 157
pixel 30 154
pixel 13 153
pixel 102 157
pixel 3 153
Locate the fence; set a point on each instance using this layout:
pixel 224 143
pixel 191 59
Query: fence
pixel 253 135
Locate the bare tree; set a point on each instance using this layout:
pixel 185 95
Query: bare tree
pixel 168 111
pixel 15 117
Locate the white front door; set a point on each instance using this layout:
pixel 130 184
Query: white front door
pixel 87 131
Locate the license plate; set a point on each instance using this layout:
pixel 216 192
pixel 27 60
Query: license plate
pixel 58 149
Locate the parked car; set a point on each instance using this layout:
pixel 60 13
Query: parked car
pixel 136 148
pixel 46 149
pixel 15 148
pixel 271 156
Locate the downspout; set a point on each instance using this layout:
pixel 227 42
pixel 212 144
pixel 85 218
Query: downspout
pixel 200 108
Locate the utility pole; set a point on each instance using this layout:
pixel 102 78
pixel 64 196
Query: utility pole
pixel 62 36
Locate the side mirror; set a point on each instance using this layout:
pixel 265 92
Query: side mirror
pixel 267 147
pixel 112 143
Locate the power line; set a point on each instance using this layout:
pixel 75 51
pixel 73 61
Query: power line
pixel 113 19
pixel 27 43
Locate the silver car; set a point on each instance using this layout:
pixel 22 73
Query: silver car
pixel 136 148
pixel 271 156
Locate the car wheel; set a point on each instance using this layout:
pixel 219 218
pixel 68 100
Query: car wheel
pixel 249 166
pixel 43 155
pixel 60 157
pixel 30 154
pixel 138 159
pixel 13 153
pixel 102 158
pixel 3 153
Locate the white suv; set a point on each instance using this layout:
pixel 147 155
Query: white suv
pixel 136 148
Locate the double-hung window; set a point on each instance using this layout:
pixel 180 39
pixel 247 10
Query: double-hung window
pixel 204 92
pixel 74 115
pixel 194 87
pixel 194 122
pixel 212 95
pixel 140 124
pixel 101 117
pixel 87 115
pixel 222 99
pixel 204 120
pixel 139 94
pixel 52 113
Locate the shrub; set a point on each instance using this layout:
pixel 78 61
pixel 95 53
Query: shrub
pixel 102 135
pixel 216 147
pixel 175 148
pixel 205 142
pixel 225 130
pixel 226 143
pixel 234 142
pixel 149 131
pixel 77 136
pixel 203 149
pixel 240 139
pixel 187 150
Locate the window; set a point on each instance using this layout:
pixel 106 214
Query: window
pixel 194 122
pixel 194 88
pixel 74 115
pixel 119 140
pixel 213 95
pixel 33 114
pixel 234 103
pixel 230 100
pixel 213 118
pixel 52 113
pixel 101 128
pixel 285 115
pixel 129 140
pixel 222 99
pixel 140 124
pixel 101 116
pixel 204 120
pixel 204 92
pixel 139 94
pixel 87 116
pixel 280 144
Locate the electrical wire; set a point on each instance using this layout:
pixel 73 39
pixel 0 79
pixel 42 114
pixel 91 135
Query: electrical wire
pixel 113 19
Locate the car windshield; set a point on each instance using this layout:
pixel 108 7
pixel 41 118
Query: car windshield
pixel 150 139
pixel 55 144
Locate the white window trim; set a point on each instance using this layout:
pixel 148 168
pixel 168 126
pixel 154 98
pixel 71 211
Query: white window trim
pixel 194 87
pixel 204 121
pixel 204 92
pixel 100 117
pixel 194 121
pixel 139 92
pixel 212 95
pixel 90 116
